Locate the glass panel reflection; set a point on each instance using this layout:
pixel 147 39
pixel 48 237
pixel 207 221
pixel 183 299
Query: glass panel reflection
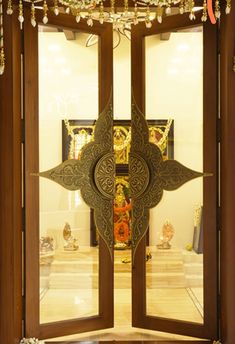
pixel 174 274
pixel 69 269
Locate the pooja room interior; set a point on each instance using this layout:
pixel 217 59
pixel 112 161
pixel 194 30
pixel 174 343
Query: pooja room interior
pixel 69 254
pixel 61 266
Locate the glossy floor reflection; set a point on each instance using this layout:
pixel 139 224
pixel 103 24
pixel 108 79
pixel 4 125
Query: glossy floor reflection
pixel 64 301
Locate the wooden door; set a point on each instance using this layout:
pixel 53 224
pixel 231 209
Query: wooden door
pixel 157 301
pixel 52 216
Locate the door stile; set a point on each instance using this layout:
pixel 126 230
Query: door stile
pixel 105 316
pixel 210 109
pixel 210 185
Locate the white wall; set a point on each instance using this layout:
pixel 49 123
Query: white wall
pixel 69 89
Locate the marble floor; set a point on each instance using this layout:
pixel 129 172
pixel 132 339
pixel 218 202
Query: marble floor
pixel 169 294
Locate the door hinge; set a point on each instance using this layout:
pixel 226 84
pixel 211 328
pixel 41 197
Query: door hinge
pixel 22 42
pixel 219 306
pixel 23 307
pixel 218 130
pixel 218 40
pixel 219 227
pixel 23 219
pixel 22 130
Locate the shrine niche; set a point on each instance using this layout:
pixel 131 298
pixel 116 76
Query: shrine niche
pixel 77 133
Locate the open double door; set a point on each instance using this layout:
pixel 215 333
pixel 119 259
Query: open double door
pixel 175 78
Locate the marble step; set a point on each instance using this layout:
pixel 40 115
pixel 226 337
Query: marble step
pixel 191 257
pixel 90 254
pixel 121 280
pixel 194 280
pixel 89 266
pixel 193 268
pixel 157 254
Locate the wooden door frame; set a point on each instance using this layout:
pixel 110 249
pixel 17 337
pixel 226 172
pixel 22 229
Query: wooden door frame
pixel 11 187
pixel 227 110
pixel 105 317
pixel 11 231
pixel 210 108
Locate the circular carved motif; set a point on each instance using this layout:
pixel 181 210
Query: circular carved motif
pixel 139 175
pixel 105 175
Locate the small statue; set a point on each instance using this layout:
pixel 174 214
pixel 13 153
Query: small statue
pixel 167 235
pixel 71 243
pixel 46 245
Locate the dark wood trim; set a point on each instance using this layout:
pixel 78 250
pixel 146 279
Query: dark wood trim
pixel 210 185
pixel 227 77
pixel 210 327
pixel 105 317
pixel 10 186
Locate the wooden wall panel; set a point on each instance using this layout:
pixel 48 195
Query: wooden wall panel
pixel 10 189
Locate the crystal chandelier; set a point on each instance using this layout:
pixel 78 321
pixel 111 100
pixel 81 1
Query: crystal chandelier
pixel 132 12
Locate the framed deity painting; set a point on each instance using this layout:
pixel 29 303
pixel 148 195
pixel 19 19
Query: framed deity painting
pixel 77 133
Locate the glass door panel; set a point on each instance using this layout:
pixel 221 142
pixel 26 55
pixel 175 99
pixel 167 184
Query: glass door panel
pixel 69 266
pixel 174 92
pixel 175 266
pixel 64 269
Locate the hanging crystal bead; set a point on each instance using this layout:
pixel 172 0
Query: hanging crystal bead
pixel 159 14
pixel 45 10
pixel 56 8
pixel 89 20
pixel 181 7
pixel 33 19
pixel 148 24
pixel 228 6
pixel 217 9
pixel 135 20
pixel 9 8
pixel 21 16
pixel 204 13
pixel 101 16
pixel 168 10
pixel 147 19
pixel 112 6
pixel 191 8
pixel 78 16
